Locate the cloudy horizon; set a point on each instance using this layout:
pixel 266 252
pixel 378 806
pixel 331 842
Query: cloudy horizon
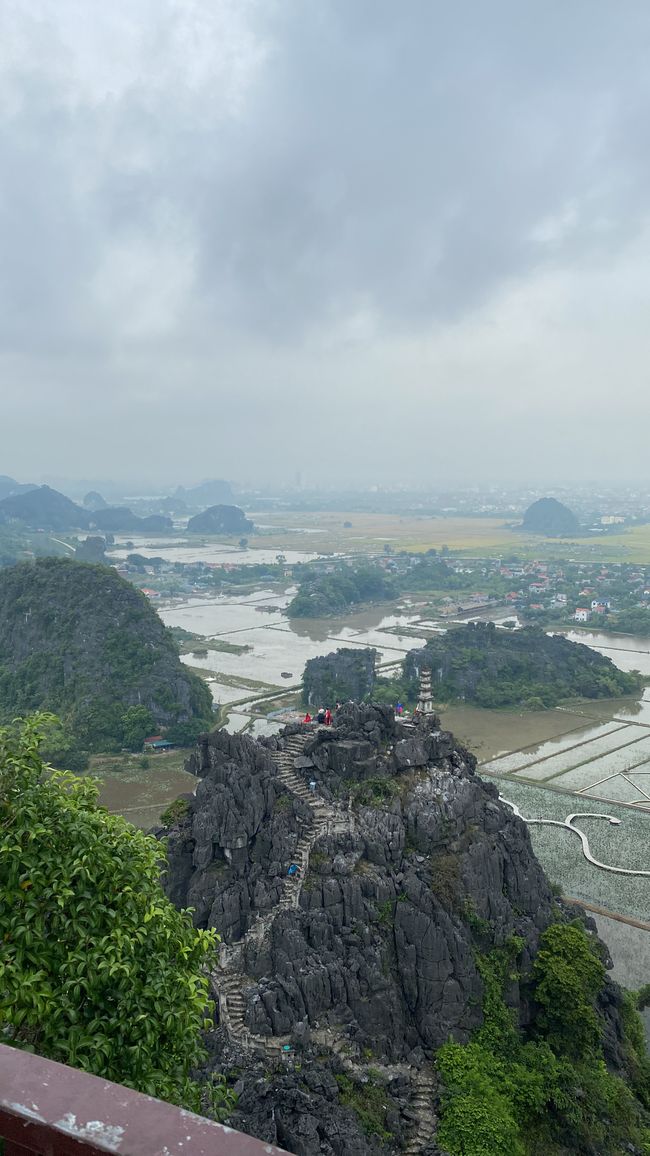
pixel 355 239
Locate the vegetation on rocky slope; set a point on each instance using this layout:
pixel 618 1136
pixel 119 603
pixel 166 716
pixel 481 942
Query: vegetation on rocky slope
pixel 546 1090
pixel 323 594
pixel 79 641
pixel 496 668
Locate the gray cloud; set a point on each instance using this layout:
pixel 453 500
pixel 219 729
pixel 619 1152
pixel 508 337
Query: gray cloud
pixel 222 219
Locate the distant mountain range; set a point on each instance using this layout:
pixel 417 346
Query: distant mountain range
pixel 9 486
pixel 43 508
pixel 211 493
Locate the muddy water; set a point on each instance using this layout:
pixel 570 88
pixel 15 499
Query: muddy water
pixel 184 550
pixel 627 651
pixel 490 733
pixel 142 795
pixel 277 644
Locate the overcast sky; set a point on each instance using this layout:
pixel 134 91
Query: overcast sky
pixel 364 239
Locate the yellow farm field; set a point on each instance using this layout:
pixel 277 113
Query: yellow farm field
pixel 371 532
pixel 325 531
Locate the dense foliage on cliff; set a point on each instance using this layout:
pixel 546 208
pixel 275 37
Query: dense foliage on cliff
pixel 546 1090
pixel 80 641
pixel 348 674
pixel 323 594
pixel 99 970
pixel 495 668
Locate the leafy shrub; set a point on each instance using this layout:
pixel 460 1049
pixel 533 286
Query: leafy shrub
pixel 98 969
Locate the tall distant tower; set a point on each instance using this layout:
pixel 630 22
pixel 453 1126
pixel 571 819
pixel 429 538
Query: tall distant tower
pixel 425 702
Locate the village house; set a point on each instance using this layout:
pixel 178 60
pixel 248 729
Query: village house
pixel 581 614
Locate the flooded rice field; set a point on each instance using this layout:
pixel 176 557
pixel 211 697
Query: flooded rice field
pixel 601 749
pixel 185 550
pixel 603 760
pixel 560 853
pixel 141 793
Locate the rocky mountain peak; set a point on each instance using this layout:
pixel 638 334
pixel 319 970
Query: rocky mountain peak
pixel 366 954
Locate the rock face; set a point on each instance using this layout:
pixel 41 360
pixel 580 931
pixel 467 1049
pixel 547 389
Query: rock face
pixel 345 674
pixel 365 960
pixel 220 520
pixel 550 517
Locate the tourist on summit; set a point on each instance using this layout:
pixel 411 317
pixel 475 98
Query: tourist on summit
pixel 328 717
pixel 399 709
pixel 307 718
pixel 320 717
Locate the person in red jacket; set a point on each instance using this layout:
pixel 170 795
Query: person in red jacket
pixel 307 718
pixel 328 717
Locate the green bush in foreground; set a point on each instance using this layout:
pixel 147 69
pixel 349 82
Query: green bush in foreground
pixel 551 1093
pixel 98 969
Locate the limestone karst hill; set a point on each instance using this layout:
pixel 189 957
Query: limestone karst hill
pixel 78 640
pixel 339 983
pixel 550 517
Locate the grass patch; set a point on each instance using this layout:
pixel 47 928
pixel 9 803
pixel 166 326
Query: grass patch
pixel 175 812
pixel 445 878
pixel 370 1103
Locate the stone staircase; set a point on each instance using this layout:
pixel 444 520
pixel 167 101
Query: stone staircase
pixel 423 1084
pixel 230 983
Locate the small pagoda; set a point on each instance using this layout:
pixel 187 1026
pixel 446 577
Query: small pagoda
pixel 425 701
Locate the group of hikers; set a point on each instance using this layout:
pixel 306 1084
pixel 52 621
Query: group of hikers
pixel 323 716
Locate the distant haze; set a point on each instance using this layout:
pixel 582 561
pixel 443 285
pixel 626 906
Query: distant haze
pixel 358 239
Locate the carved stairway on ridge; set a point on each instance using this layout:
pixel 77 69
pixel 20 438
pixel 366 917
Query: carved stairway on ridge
pixel 230 983
pixel 326 819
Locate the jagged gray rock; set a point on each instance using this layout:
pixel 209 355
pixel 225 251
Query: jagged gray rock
pixel 367 959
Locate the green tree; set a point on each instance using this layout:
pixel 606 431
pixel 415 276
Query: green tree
pixel 137 723
pixel 98 969
pixel 568 976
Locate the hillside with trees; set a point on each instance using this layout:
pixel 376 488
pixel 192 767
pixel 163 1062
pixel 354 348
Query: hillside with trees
pixel 480 664
pixel 220 520
pixel 81 642
pixel 321 595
